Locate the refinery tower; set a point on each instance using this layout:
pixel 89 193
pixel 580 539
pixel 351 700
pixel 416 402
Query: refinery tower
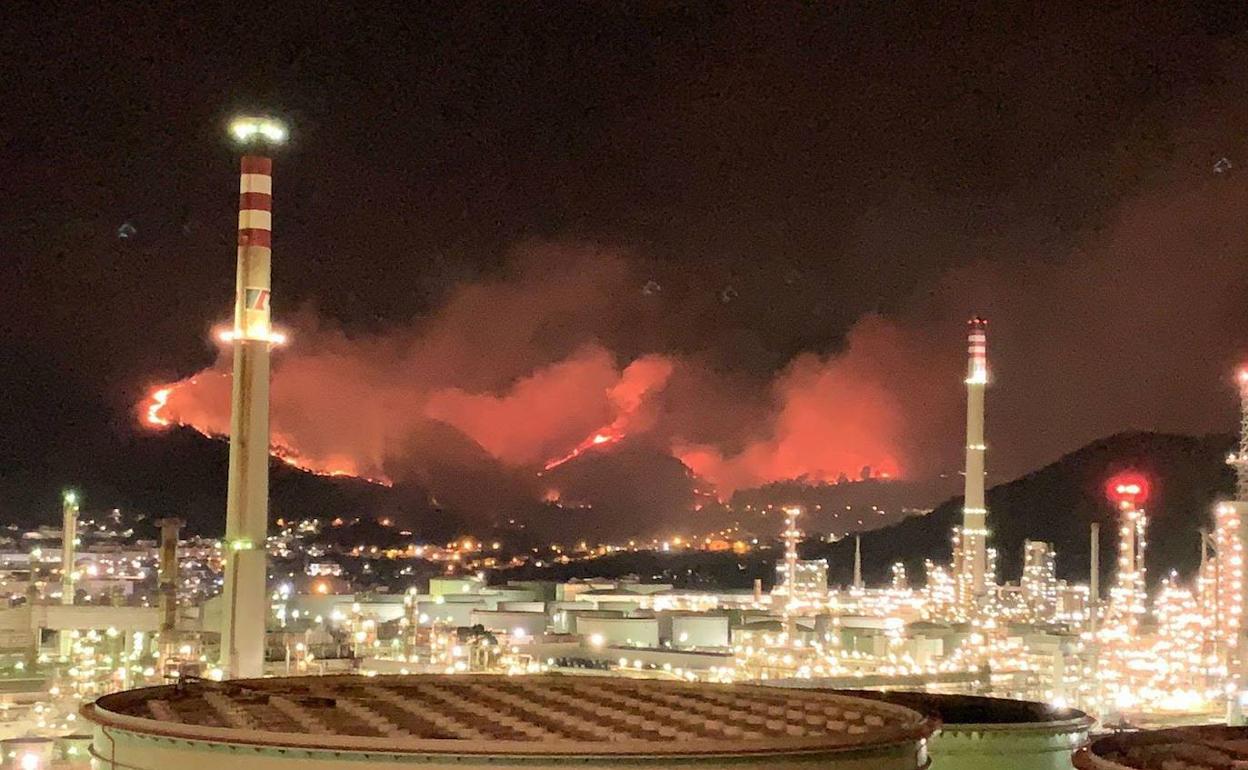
pixel 1232 543
pixel 974 535
pixel 245 608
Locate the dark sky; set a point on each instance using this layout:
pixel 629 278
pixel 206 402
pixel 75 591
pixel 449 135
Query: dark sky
pixel 820 160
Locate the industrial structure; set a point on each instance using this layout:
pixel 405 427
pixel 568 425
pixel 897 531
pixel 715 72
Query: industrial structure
pixel 977 733
pixel 247 511
pixel 1133 658
pixel 69 536
pixel 1232 534
pixel 317 723
pixel 1206 747
pixel 1128 599
pixel 972 570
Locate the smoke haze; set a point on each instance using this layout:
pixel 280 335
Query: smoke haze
pixel 745 237
pixel 517 375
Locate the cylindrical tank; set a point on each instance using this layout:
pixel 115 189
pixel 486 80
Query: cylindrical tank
pixel 1185 748
pixel 504 723
pixel 979 733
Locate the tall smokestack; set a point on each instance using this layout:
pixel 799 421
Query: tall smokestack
pixel 245 609
pixel 974 512
pixel 69 533
pixel 1094 580
pixel 857 561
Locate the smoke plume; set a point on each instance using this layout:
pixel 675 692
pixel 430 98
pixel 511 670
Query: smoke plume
pixel 516 374
pixel 571 353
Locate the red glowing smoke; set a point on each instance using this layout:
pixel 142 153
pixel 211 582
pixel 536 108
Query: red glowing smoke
pixel 641 377
pixel 837 418
pixel 539 415
pixel 489 366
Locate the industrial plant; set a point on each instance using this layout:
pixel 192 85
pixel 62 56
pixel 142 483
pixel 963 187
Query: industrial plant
pixel 178 651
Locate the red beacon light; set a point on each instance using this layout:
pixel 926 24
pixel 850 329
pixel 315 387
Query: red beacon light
pixel 1128 489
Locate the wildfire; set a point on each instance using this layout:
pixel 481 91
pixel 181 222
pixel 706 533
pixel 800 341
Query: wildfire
pixel 156 402
pixel 612 434
pixel 640 378
pixel 154 414
pixel 334 467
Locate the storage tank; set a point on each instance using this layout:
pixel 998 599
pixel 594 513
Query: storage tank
pixel 505 723
pixel 978 733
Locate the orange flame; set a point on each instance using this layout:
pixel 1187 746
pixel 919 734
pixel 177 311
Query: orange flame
pixel 611 434
pixel 640 378
pixel 154 415
pixel 157 402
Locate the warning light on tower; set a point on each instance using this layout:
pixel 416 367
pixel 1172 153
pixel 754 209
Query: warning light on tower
pixel 1127 490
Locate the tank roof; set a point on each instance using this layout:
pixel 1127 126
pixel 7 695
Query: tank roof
pixel 1192 748
pixel 975 709
pixel 499 715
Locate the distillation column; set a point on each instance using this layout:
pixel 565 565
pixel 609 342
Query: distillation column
pixel 1232 520
pixel 168 576
pixel 69 534
pixel 792 536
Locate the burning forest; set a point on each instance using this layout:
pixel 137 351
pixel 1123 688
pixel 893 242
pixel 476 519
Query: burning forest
pixel 503 394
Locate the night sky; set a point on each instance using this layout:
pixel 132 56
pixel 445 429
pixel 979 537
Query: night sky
pixel 774 172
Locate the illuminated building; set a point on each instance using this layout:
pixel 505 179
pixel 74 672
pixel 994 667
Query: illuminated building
pixel 810 576
pixel 247 504
pixel 1039 580
pixel 470 721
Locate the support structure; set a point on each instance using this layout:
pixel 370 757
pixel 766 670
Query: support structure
pixel 974 534
pixel 245 610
